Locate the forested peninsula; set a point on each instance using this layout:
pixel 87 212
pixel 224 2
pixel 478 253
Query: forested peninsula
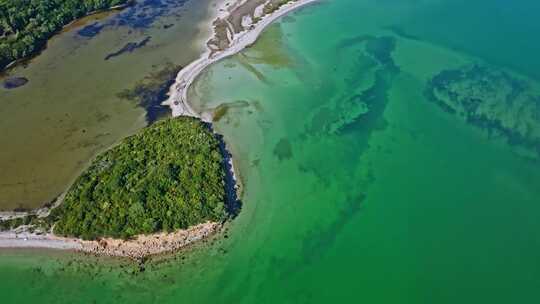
pixel 170 176
pixel 26 25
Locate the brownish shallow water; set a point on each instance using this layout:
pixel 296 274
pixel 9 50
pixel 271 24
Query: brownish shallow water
pixel 69 110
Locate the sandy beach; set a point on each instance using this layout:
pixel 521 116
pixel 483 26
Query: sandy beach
pixel 178 93
pixel 137 248
pixel 30 240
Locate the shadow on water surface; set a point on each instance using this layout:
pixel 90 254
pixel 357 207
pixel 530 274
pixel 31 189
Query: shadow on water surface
pixel 130 47
pixel 317 242
pixel 232 185
pixel 140 16
pixel 14 82
pixel 283 149
pixel 152 90
pixel 91 30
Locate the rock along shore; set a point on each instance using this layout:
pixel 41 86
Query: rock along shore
pixel 137 248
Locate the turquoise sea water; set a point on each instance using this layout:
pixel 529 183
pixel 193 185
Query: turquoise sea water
pixel 358 188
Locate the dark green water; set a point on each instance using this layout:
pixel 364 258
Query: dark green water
pixel 358 188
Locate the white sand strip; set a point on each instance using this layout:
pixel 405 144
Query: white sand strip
pixel 30 240
pixel 137 248
pixel 178 93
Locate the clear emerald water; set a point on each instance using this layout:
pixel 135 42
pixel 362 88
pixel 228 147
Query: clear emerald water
pixel 407 204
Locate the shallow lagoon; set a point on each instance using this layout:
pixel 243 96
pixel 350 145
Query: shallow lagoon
pixel 70 110
pixel 357 187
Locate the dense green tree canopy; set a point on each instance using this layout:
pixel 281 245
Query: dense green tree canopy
pixel 25 25
pixel 170 176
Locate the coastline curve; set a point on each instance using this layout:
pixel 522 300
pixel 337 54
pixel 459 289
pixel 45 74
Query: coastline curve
pixel 178 93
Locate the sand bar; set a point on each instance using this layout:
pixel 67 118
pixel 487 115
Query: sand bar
pixel 178 93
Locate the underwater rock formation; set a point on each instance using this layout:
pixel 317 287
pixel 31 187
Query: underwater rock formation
pixel 14 82
pixel 493 99
pixel 370 78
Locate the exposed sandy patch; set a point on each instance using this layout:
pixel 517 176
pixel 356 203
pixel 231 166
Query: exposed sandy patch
pixel 137 248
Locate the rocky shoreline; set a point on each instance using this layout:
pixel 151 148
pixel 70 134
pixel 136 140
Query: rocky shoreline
pixel 147 245
pixel 138 248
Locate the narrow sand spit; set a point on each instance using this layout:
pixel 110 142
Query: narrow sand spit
pixel 178 93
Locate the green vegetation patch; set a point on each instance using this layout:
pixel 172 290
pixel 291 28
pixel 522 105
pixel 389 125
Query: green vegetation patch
pixel 35 224
pixel 170 176
pixel 25 25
